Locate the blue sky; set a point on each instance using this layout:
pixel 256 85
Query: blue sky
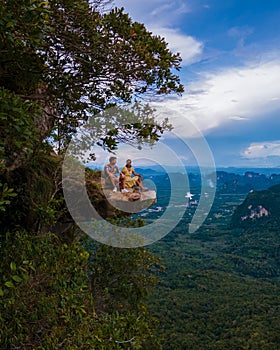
pixel 230 69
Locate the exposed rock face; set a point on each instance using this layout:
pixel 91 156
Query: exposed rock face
pixel 259 208
pixel 256 213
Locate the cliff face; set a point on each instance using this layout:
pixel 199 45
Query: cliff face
pixel 259 208
pixel 30 208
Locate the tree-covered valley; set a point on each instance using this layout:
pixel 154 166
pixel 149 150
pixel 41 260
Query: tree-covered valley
pixel 220 287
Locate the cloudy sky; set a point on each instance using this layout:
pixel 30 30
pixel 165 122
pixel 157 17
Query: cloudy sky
pixel 230 69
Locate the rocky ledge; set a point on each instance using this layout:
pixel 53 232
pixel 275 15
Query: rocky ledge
pixel 131 202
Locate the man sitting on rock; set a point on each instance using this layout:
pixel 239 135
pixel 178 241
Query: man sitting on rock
pixel 110 172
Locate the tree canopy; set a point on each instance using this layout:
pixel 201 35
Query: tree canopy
pixel 75 60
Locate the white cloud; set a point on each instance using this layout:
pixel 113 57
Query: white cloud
pixel 262 150
pixel 161 18
pixel 237 117
pixel 235 95
pixel 189 48
pixel 241 34
pixel 165 12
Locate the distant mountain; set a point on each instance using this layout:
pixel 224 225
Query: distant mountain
pixel 258 209
pixel 237 183
pixel 241 181
pixel 227 182
pixel 150 171
pixel 242 171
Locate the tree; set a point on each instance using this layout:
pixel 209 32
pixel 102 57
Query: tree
pixel 75 60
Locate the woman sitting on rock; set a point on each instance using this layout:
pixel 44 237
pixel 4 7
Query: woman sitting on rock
pixel 132 181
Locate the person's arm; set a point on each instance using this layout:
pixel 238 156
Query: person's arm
pixel 106 171
pixel 108 175
pixel 117 170
pixel 134 172
pixel 140 177
pixel 124 170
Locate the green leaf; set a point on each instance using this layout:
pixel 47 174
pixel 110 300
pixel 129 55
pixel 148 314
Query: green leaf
pixel 13 266
pixel 10 24
pixel 1 292
pixel 9 284
pixel 43 3
pixel 17 278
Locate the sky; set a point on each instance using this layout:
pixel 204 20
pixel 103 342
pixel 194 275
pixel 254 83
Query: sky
pixel 230 70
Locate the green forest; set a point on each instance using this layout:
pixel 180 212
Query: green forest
pixel 61 63
pixel 220 288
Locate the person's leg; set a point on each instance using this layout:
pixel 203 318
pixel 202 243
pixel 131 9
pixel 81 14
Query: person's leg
pixel 140 184
pixel 114 182
pixel 122 182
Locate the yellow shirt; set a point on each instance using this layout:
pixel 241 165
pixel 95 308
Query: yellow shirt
pixel 129 180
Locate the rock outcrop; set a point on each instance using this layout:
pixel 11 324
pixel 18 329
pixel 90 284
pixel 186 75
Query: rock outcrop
pixel 131 202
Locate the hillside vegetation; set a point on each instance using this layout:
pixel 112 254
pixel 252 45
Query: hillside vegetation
pixel 61 63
